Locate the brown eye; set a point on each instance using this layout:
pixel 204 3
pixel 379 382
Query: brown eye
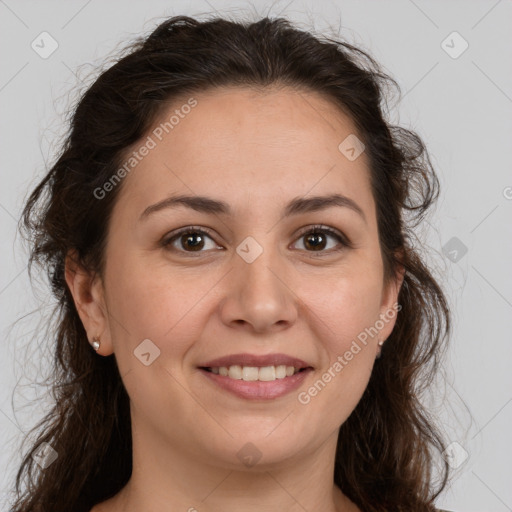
pixel 188 240
pixel 316 239
pixel 195 240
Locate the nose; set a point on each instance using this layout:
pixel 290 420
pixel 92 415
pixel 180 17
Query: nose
pixel 258 297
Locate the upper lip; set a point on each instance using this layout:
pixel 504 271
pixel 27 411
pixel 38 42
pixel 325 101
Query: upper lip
pixel 255 360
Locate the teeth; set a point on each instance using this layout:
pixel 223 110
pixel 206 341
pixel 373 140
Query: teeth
pixel 281 371
pixel 254 373
pixel 250 373
pixel 235 372
pixel 267 373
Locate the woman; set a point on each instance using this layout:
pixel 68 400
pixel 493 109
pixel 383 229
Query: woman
pixel 229 227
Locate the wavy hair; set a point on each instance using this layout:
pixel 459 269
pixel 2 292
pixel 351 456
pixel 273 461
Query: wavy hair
pixel 388 448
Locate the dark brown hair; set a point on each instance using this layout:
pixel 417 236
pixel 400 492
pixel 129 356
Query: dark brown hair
pixel 389 446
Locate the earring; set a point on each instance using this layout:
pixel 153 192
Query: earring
pixel 379 353
pixel 95 343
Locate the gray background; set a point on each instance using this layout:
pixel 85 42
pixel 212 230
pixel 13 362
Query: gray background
pixel 460 106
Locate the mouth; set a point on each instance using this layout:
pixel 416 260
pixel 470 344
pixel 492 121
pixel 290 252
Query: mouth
pixel 255 377
pixel 255 373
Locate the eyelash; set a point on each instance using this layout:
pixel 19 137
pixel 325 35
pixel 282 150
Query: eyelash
pixel 316 229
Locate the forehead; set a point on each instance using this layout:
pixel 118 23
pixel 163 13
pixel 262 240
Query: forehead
pixel 240 143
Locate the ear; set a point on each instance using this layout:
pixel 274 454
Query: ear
pixel 389 303
pixel 87 290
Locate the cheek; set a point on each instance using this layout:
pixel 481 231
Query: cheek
pixel 151 302
pixel 343 305
pixel 167 308
pixel 345 310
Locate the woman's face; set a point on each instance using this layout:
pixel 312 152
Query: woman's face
pixel 250 282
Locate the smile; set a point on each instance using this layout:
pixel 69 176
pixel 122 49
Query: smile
pixel 256 383
pixel 255 373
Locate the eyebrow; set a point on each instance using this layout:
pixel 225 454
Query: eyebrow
pixel 296 206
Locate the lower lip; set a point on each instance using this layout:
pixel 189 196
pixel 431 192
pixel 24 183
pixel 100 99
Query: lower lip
pixel 259 390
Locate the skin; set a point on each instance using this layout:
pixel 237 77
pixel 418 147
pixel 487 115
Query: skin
pixel 256 151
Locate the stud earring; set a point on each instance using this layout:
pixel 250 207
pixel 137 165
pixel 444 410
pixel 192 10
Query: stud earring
pixel 95 343
pixel 379 353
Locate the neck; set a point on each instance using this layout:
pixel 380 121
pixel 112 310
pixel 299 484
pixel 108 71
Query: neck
pixel 175 479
